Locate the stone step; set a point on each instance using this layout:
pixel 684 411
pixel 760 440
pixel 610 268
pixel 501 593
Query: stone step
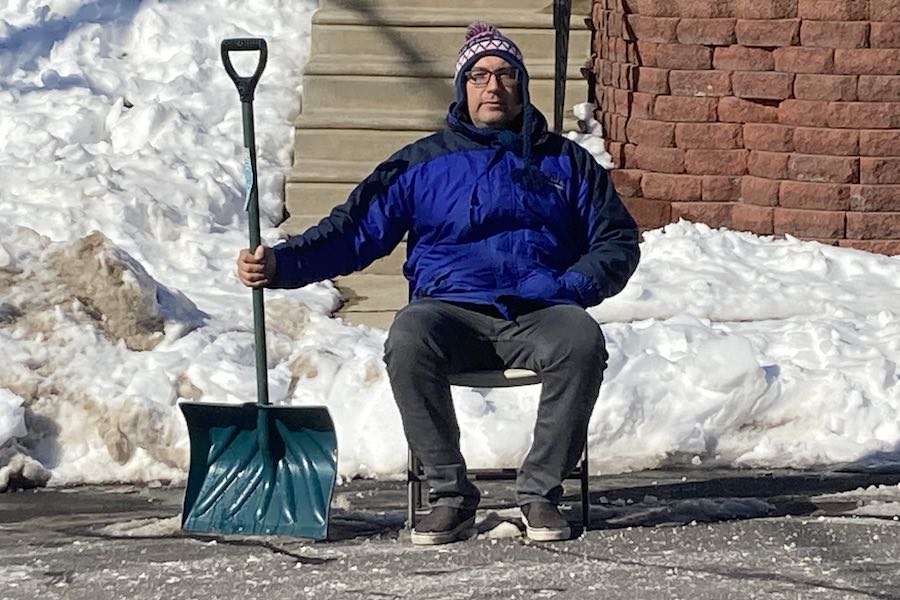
pixel 312 198
pixel 421 121
pixel 376 319
pixel 421 43
pixel 521 16
pixel 475 6
pixel 398 66
pixel 350 144
pixel 366 292
pixel 413 94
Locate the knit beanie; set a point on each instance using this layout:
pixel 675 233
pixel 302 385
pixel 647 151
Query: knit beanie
pixel 482 40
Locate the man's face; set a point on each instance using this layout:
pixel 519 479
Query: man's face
pixel 492 93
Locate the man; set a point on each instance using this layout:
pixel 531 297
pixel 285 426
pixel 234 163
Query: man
pixel 512 231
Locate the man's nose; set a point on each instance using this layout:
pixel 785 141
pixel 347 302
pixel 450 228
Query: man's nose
pixel 493 84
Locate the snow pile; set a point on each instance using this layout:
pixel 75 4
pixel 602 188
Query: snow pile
pixel 122 213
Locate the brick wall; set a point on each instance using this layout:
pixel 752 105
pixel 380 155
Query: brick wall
pixel 771 116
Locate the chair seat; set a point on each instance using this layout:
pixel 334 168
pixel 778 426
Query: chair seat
pixel 498 378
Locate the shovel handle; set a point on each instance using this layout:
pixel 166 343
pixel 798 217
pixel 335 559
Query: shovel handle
pixel 245 85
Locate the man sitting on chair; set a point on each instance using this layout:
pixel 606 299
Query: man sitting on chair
pixel 512 232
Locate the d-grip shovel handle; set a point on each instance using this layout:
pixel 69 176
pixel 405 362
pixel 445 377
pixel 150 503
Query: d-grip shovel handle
pixel 245 85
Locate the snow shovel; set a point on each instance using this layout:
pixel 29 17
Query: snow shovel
pixel 258 469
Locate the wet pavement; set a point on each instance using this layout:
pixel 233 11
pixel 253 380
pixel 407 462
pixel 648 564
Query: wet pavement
pixel 658 534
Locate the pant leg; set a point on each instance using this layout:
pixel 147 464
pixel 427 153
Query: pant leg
pixel 428 340
pixel 566 347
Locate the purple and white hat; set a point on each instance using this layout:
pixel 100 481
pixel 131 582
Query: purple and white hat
pixel 483 39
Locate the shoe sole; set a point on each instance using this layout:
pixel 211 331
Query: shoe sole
pixel 543 534
pixel 433 538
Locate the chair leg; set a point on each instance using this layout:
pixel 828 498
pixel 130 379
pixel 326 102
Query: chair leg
pixel 585 496
pixel 413 490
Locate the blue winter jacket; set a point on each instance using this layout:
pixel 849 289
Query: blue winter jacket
pixel 478 231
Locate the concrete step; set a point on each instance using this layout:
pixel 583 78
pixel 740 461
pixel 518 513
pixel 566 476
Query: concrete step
pixel 460 16
pixel 421 43
pixel 424 122
pixel 350 144
pixel 377 319
pixel 313 198
pixel 362 93
pixel 363 292
pixel 475 6
pixel 399 66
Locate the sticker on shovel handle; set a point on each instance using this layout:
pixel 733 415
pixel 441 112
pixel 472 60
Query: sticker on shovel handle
pixel 248 179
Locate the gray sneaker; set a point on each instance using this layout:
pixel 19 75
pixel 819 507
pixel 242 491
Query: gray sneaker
pixel 444 524
pixel 543 523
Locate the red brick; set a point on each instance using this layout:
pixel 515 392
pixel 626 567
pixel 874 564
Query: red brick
pixel 873 226
pixel 739 58
pixel 654 8
pixel 721 188
pixel 700 83
pixel 614 126
pixel 678 188
pixel 825 169
pixel 879 143
pixel 879 88
pixel 714 214
pixel 825 87
pixel 627 181
pixel 649 213
pixel 833 10
pixel 659 160
pixel 867 61
pixel 651 29
pixel 804 60
pixel 645 54
pixel 888 247
pixel 683 56
pixel 628 154
pixel 873 198
pixel 682 108
pixel 756 219
pixel 809 223
pixel 885 35
pixel 809 140
pixel 738 110
pixel 712 32
pixel 817 196
pixel 724 136
pixel 774 138
pixel 715 162
pixel 705 9
pixel 651 80
pixel 621 102
pixel 760 191
pixel 765 9
pixel 877 170
pixel 617 152
pixel 884 10
pixel 834 34
pixel 767 33
pixel 651 133
pixel 755 84
pixel 642 105
pixel 771 165
pixel 872 115
pixel 806 113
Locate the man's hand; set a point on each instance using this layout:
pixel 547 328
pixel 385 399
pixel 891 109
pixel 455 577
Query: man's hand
pixel 256 270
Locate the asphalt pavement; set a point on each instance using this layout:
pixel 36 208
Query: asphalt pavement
pixel 697 534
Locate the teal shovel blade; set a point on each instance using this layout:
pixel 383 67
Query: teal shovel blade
pixel 259 469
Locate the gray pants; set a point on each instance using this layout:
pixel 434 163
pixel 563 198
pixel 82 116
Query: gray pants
pixel 431 339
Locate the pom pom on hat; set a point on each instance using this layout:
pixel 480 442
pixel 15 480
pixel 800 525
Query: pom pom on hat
pixel 483 39
pixel 479 27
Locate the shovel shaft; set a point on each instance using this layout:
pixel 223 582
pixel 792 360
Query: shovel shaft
pixel 246 87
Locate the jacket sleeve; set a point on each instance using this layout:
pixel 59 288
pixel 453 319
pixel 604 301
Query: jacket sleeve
pixel 610 236
pixel 366 227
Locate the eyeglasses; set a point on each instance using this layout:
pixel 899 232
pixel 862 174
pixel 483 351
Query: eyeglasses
pixel 480 77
